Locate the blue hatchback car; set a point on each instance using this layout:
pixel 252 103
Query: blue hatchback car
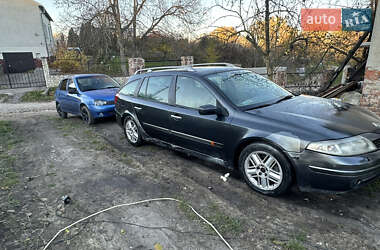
pixel 91 96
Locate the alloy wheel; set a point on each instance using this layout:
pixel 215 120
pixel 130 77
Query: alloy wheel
pixel 263 170
pixel 131 131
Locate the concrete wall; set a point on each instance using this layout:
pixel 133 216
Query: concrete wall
pixel 21 28
pixel 371 85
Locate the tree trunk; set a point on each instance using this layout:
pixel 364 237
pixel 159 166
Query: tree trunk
pixel 268 62
pixel 119 35
pixel 123 59
pixel 134 27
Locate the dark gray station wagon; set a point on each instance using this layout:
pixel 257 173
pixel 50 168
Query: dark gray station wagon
pixel 243 121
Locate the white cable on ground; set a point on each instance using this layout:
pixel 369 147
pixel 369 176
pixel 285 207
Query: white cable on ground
pixel 136 203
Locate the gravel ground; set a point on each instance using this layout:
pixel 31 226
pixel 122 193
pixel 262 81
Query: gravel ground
pixel 15 108
pixel 97 168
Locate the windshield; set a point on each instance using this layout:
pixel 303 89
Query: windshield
pixel 246 89
pixel 96 82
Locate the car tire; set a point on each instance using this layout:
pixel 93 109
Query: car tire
pixel 86 115
pixel 265 169
pixel 61 113
pixel 132 132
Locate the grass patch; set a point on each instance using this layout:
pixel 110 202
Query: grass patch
pixel 373 187
pixel 225 224
pixel 4 98
pixel 38 96
pixel 8 177
pixel 294 245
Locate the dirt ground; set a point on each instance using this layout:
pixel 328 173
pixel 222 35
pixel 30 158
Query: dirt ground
pixel 44 157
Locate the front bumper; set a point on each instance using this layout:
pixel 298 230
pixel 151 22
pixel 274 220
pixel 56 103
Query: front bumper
pixel 102 111
pixel 317 171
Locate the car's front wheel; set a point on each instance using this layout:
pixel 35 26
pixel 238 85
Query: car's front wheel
pixel 86 115
pixel 265 169
pixel 61 113
pixel 132 132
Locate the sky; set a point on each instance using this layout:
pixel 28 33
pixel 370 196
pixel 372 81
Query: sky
pixel 52 10
pixel 55 13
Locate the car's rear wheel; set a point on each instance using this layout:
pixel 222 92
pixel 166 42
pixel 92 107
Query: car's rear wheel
pixel 132 132
pixel 59 111
pixel 86 115
pixel 265 169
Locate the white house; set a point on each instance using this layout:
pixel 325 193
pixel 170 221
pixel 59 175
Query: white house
pixel 25 28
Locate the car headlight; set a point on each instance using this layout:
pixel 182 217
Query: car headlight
pixel 100 103
pixel 344 147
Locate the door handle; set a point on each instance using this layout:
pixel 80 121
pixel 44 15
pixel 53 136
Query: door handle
pixel 138 108
pixel 176 117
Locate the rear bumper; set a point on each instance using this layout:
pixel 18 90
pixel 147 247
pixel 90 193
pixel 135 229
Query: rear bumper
pixel 102 111
pixel 316 171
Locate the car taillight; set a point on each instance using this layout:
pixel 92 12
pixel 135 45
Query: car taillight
pixel 116 98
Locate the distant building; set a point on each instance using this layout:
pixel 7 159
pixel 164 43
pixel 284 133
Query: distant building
pixel 25 32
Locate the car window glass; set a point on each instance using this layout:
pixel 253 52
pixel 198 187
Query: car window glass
pixel 129 88
pixel 142 91
pixel 96 82
pixel 156 88
pixel 245 88
pixel 191 93
pixel 63 85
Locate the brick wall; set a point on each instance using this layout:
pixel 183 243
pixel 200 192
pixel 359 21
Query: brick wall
pixel 371 86
pixel 371 90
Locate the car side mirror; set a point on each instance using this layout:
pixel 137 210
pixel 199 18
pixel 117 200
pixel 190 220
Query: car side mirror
pixel 207 110
pixel 73 91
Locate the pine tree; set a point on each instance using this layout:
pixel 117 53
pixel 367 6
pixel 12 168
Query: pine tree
pixel 72 39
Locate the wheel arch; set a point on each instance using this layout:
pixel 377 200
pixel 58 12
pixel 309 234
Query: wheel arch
pixel 82 104
pixel 134 116
pixel 247 141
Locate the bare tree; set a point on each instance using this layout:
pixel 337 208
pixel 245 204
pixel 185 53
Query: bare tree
pixel 142 17
pixel 248 13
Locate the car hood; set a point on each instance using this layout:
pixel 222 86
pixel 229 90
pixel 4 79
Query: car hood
pixel 102 94
pixel 320 118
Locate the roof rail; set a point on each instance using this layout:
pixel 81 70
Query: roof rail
pixel 213 64
pixel 147 70
pixel 185 67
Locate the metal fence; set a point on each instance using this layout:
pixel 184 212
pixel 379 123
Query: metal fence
pixel 32 78
pixel 83 66
pixel 303 83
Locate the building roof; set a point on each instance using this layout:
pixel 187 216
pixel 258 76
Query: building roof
pixel 43 10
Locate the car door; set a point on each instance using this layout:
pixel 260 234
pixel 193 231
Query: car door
pixel 73 101
pixel 202 133
pixel 152 106
pixel 61 95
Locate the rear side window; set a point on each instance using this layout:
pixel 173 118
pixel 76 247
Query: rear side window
pixel 191 93
pixel 63 85
pixel 129 88
pixel 156 88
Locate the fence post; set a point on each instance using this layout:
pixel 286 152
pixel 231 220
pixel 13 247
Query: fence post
pixel 45 67
pixel 9 80
pixel 187 60
pixel 135 64
pixel 281 78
